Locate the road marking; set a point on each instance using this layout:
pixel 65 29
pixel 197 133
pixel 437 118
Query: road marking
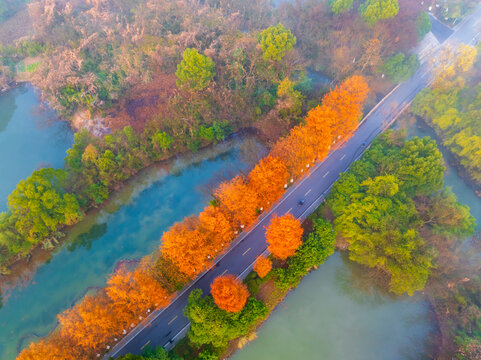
pixel 171 321
pixel 288 211
pixel 343 156
pixel 307 192
pixel 245 252
pixel 325 174
pixel 223 272
pixel 147 343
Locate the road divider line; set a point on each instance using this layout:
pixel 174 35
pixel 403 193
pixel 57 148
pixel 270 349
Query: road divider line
pixel 223 272
pixel 325 174
pixel 288 211
pixel 171 321
pixel 343 156
pixel 147 343
pixel 245 252
pixel 307 192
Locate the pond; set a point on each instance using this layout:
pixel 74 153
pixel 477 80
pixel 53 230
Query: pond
pixel 31 137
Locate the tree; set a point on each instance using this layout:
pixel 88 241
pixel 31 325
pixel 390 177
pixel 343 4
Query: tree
pixel 371 58
pixel 373 11
pixel 162 141
pixel 423 24
pixel 239 200
pixel 229 293
pixel 268 178
pixel 400 68
pixel 41 205
pixel 275 42
pixel 262 266
pixel 195 71
pixel 340 6
pixel 210 325
pixel 188 247
pixel 283 236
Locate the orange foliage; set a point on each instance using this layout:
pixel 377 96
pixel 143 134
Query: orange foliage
pixel 188 247
pixel 347 100
pixel 92 323
pixel 132 293
pixel 54 347
pixel 218 226
pixel 239 200
pixel 229 293
pixel 268 178
pixel 262 266
pixel 284 236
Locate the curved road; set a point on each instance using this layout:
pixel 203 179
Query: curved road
pixel 165 327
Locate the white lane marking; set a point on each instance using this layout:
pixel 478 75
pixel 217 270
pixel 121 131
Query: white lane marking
pixel 325 174
pixel 288 211
pixel 245 252
pixel 147 343
pixel 343 156
pixel 307 192
pixel 171 321
pixel 223 272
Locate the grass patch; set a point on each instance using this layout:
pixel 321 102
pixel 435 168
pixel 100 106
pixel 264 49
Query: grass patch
pixel 32 67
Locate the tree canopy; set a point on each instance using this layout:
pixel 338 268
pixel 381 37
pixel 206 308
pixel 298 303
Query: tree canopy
pixel 284 236
pixel 373 11
pixel 385 199
pixel 275 42
pixel 340 6
pixel 195 71
pixel 229 293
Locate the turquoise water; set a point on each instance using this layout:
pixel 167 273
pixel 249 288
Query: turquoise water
pixel 30 138
pixel 128 227
pixel 327 317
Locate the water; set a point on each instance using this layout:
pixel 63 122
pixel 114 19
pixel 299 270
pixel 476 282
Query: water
pixel 329 317
pixel 128 227
pixel 30 138
pixel 326 318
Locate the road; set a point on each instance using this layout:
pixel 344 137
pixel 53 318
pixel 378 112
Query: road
pixel 165 327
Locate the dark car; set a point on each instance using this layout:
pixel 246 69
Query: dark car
pixel 301 202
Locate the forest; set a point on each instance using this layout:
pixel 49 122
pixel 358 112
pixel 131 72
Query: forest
pixel 242 79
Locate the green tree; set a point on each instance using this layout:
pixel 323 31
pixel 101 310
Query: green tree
pixel 161 140
pixel 41 205
pixel 275 42
pixel 158 353
pixel 339 6
pixel 315 249
pixel 400 68
pixel 195 71
pixel 373 11
pixel 210 325
pixel 424 24
pixel 381 228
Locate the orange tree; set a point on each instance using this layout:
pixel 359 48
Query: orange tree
pixel 262 266
pixel 284 236
pixel 229 293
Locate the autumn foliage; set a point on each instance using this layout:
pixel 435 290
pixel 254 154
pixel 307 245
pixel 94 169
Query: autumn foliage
pixel 284 236
pixel 262 266
pixel 229 293
pixel 189 247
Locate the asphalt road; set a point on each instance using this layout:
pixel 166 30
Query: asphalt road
pixel 163 328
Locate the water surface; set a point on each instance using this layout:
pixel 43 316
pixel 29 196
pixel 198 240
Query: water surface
pixel 30 137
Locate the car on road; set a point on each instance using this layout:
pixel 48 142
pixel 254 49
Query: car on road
pixel 301 202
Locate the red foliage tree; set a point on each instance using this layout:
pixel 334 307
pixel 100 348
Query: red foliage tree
pixel 229 293
pixel 262 266
pixel 284 236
